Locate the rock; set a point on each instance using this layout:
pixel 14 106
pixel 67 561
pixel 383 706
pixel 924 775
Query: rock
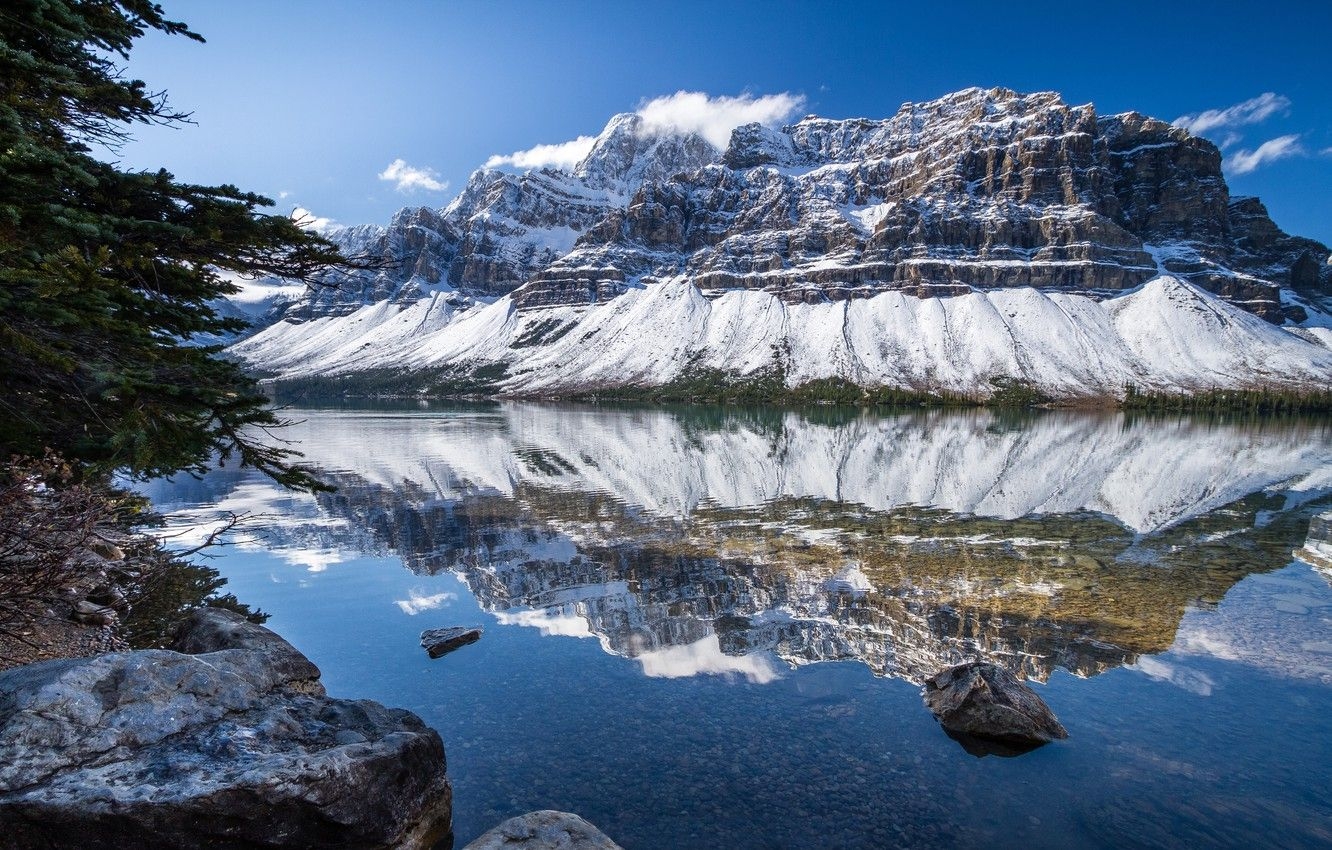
pixel 106 549
pixel 102 640
pixel 438 642
pixel 209 629
pixel 544 830
pixel 108 595
pixel 92 614
pixel 984 701
pixel 159 749
pixel 980 189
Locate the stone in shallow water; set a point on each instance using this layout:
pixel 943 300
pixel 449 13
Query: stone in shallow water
pixel 979 701
pixel 544 830
pixel 236 747
pixel 438 642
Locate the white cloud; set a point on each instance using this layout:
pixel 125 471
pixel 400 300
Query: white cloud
pixel 564 155
pixel 1176 674
pixel 1252 111
pixel 314 560
pixel 713 118
pixel 283 195
pixel 552 621
pixel 1242 162
pixel 310 221
pixel 408 177
pixel 705 657
pixel 416 602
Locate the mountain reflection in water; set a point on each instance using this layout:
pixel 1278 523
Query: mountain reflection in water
pixel 701 541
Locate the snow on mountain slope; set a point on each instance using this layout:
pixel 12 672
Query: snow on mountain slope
pixel 502 227
pixel 1191 338
pixel 1167 335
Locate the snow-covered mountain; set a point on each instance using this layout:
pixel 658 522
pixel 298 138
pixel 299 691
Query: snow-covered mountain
pixel 982 236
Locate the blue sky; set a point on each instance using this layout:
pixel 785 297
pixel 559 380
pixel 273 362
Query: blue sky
pixel 312 102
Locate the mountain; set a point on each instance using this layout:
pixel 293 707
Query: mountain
pixel 967 242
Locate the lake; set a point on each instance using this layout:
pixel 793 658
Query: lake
pixel 708 627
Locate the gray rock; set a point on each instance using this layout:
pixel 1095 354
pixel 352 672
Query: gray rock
pixel 209 630
pixel 985 701
pixel 106 549
pixel 544 830
pixel 229 748
pixel 92 614
pixel 438 642
pixel 108 595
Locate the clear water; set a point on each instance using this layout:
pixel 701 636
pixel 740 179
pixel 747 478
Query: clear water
pixel 707 628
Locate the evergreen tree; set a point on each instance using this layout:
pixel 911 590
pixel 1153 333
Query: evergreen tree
pixel 106 275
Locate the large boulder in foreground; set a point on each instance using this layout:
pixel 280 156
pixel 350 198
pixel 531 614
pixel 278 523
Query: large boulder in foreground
pixel 984 701
pixel 235 747
pixel 544 830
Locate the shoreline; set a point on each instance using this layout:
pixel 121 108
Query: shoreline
pixel 1262 400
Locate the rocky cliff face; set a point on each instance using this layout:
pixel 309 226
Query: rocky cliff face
pixel 981 189
pixel 977 190
pixel 502 228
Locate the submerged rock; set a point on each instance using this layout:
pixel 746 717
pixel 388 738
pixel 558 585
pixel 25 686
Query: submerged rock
pixel 979 700
pixel 229 748
pixel 439 642
pixel 544 830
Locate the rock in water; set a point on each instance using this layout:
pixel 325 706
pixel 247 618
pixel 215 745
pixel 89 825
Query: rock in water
pixel 438 642
pixel 984 700
pixel 229 748
pixel 544 830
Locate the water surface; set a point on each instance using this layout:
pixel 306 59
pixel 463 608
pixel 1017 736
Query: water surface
pixel 708 628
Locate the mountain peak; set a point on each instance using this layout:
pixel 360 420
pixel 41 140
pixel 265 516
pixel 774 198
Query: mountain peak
pixel 628 153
